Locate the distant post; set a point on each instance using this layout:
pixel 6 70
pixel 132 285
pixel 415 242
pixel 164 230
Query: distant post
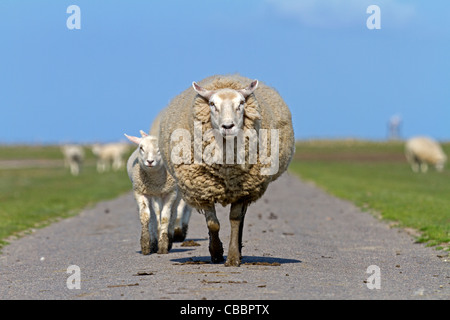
pixel 394 127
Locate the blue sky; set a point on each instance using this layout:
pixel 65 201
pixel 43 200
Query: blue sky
pixel 130 58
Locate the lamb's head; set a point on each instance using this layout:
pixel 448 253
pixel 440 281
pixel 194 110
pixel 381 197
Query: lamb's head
pixel 149 155
pixel 227 107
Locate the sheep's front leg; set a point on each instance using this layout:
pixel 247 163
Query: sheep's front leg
pixel 167 223
pixel 237 214
pixel 148 242
pixel 215 245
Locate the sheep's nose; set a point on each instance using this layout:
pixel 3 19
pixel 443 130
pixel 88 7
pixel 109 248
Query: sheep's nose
pixel 150 162
pixel 228 126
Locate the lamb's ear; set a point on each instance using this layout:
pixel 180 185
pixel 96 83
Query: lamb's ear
pixel 249 90
pixel 136 140
pixel 202 91
pixel 143 133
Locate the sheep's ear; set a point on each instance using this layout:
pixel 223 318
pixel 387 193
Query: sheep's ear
pixel 136 140
pixel 249 90
pixel 143 133
pixel 202 91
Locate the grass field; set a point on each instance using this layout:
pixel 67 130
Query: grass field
pixel 376 177
pixel 36 188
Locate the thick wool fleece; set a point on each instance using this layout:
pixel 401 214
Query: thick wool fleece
pixel 202 185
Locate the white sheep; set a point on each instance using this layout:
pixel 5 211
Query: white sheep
pixel 224 109
pixel 110 154
pixel 155 193
pixel 423 151
pixel 184 211
pixel 73 157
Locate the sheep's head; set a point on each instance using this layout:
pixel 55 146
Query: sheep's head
pixel 227 107
pixel 149 155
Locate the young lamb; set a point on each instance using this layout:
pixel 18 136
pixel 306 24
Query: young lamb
pixel 226 106
pixel 110 153
pixel 155 193
pixel 73 157
pixel 183 209
pixel 421 151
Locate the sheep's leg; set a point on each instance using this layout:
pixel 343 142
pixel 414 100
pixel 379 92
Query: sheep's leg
pixel 167 223
pixel 157 207
pixel 237 214
pixel 144 216
pixel 182 220
pixel 215 245
pixel 423 167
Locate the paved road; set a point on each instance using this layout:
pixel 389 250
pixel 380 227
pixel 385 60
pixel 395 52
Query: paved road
pixel 299 243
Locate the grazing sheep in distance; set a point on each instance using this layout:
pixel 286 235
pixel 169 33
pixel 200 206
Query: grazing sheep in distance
pixel 155 193
pixel 422 151
pixel 73 157
pixel 226 109
pixel 110 153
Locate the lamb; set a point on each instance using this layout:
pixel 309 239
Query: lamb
pixel 110 153
pixel 73 157
pixel 155 193
pixel 225 109
pixel 422 151
pixel 183 210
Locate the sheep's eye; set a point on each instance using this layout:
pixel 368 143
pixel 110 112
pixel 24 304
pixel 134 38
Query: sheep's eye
pixel 213 106
pixel 141 149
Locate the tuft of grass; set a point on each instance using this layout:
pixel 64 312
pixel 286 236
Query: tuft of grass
pixel 376 177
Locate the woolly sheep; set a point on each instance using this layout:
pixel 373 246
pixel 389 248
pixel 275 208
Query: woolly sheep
pixel 110 153
pixel 220 108
pixel 421 151
pixel 73 157
pixel 155 193
pixel 183 210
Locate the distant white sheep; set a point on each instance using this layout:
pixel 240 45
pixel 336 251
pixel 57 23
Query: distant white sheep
pixel 422 151
pixel 110 154
pixel 73 157
pixel 155 192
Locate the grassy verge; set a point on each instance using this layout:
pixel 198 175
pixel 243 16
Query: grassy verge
pixel 376 177
pixel 34 196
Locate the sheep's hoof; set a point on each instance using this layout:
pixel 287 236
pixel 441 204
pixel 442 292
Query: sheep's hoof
pixel 217 259
pixel 180 234
pixel 164 244
pixel 232 262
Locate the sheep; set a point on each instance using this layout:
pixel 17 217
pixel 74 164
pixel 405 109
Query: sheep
pixel 421 151
pixel 73 157
pixel 155 193
pixel 183 210
pixel 109 153
pixel 225 109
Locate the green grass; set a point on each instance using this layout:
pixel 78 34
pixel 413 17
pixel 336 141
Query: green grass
pixel 35 196
pixel 376 177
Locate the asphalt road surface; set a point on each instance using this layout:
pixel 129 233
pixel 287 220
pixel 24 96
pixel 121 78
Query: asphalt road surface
pixel 299 243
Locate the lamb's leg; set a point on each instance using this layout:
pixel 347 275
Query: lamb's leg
pixel 237 214
pixel 144 216
pixel 182 220
pixel 215 245
pixel 166 223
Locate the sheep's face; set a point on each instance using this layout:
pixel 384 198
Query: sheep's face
pixel 227 111
pixel 149 155
pixel 227 107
